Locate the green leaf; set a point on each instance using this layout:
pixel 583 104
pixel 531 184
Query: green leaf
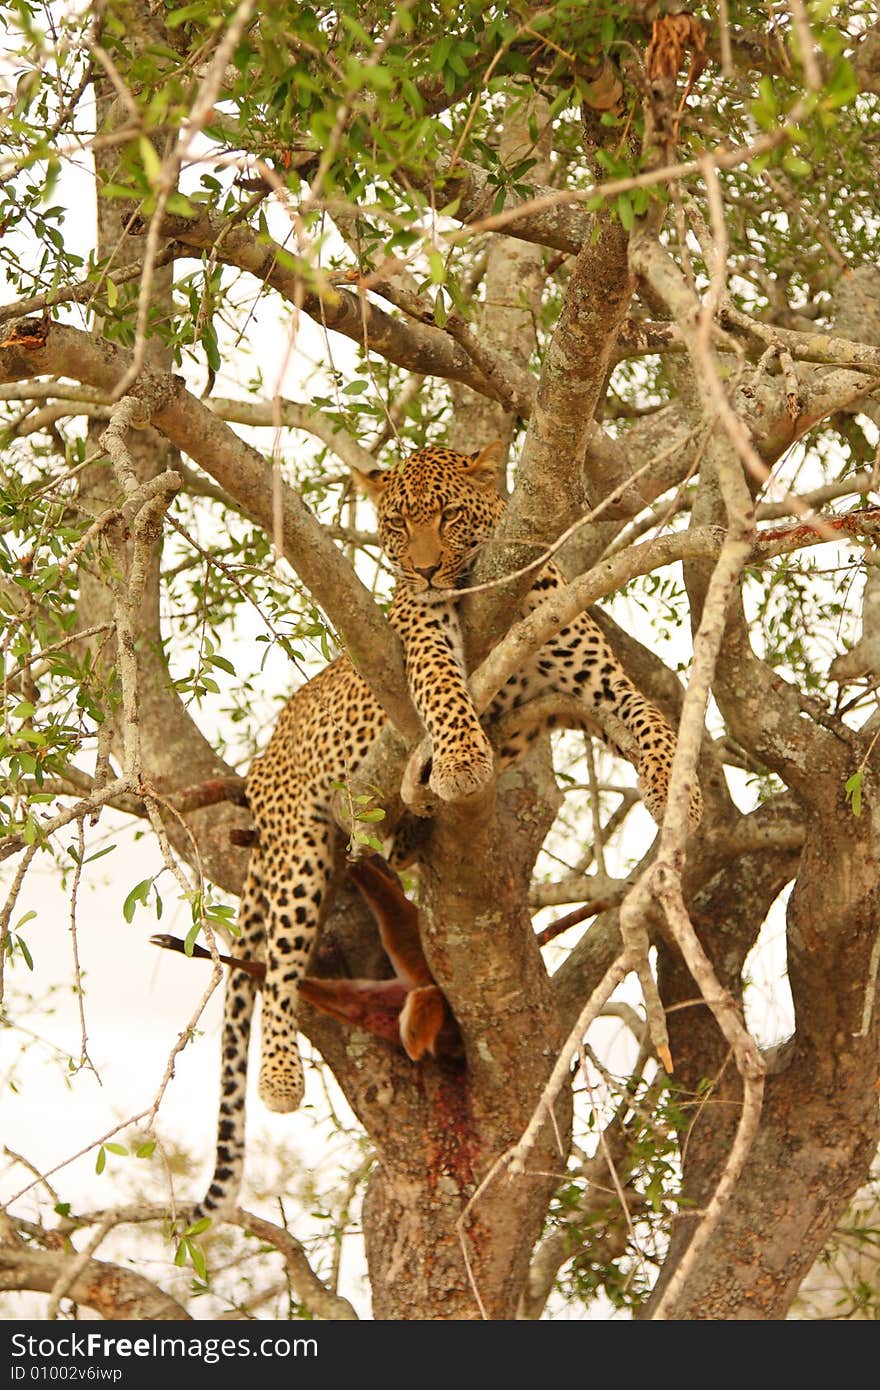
pixel 853 791
pixel 146 1149
pixel 22 946
pixel 180 1254
pixel 101 1161
pixel 211 346
pixel 223 662
pixel 768 93
pixel 765 109
pixel 111 292
pixel 137 895
pixel 151 161
pixel 842 86
pixel 99 854
pixel 220 912
pixel 197 1256
pixel 625 212
pixel 794 164
pixel 198 1227
pixel 439 53
pixel 116 1148
pixel 361 839
pixel 120 190
pixel 198 11
pixel 180 206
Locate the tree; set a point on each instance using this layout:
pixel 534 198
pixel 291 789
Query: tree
pixel 635 245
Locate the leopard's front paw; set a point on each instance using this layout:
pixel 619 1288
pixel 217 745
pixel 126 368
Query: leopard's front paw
pixel 462 772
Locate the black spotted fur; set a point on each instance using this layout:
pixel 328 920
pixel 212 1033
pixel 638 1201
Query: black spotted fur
pixel 433 511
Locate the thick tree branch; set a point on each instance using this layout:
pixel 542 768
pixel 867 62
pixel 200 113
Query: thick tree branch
pixel 550 487
pixel 414 346
pixel 114 1292
pixel 563 605
pixel 244 473
pixel 551 223
pixel 310 1290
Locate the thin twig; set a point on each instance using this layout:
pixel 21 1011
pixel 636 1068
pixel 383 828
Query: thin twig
pixel 6 913
pixel 84 1059
pixel 662 880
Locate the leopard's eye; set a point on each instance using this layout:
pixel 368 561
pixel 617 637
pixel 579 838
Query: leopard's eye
pixel 452 513
pixel 395 522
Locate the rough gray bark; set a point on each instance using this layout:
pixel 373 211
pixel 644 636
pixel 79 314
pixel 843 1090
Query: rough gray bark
pixel 115 1293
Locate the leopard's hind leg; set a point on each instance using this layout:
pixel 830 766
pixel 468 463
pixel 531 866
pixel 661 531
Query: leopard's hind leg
pixel 297 868
pixel 579 664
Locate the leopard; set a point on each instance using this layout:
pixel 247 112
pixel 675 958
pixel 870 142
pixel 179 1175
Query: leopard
pixel 435 511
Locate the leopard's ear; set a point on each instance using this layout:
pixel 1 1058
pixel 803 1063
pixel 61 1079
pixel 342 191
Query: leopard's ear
pixel 482 467
pixel 372 483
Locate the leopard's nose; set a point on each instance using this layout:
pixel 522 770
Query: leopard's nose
pixel 426 571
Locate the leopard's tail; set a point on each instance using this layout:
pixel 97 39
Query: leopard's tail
pixel 238 1008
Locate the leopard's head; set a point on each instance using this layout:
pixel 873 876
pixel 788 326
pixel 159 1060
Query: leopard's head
pixel 433 512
